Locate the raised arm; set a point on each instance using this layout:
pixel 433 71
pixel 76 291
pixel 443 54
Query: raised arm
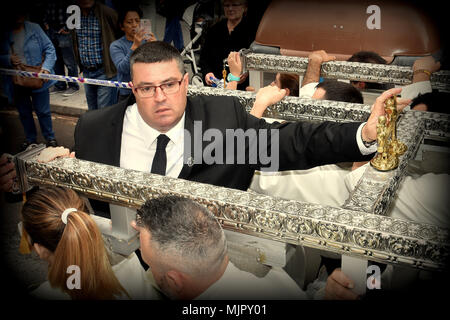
pixel 235 65
pixel 315 60
pixel 424 67
pixel 265 97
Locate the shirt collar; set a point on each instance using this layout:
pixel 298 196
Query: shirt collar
pixel 175 134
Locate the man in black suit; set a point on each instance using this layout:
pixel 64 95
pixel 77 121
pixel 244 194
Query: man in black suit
pixel 126 134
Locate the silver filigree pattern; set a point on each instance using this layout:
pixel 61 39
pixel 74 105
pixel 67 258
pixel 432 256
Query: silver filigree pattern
pixel 336 229
pixel 343 70
pixel 359 228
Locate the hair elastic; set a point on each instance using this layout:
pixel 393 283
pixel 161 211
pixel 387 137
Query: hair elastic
pixel 66 213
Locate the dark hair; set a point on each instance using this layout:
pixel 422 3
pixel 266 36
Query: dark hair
pixel 183 229
pixel 367 57
pixel 340 91
pixel 290 81
pixel 370 57
pixel 435 101
pixel 124 11
pixel 156 51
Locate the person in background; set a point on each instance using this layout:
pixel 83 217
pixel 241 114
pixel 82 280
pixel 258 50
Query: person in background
pixel 232 33
pixel 55 26
pixel 91 45
pixel 26 43
pixel 368 57
pixel 122 48
pixel 173 11
pixel 432 101
pixel 7 174
pixel 337 91
pixel 423 68
pixel 57 227
pixel 312 73
pixel 326 90
pixel 288 81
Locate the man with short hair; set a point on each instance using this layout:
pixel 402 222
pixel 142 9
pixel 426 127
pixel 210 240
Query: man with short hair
pixel 130 131
pixel 91 43
pixel 337 91
pixel 186 249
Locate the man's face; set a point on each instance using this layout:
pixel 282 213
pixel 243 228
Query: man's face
pixel 162 111
pixel 150 257
pixel 277 81
pixel 420 107
pixel 319 94
pixel 153 260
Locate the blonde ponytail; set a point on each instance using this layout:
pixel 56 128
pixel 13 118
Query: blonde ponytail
pixel 77 243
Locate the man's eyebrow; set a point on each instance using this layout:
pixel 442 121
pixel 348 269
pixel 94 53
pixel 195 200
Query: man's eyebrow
pixel 144 83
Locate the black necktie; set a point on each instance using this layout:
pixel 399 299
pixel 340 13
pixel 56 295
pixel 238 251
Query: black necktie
pixel 160 159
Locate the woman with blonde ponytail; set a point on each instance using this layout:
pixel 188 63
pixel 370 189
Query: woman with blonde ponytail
pixel 69 240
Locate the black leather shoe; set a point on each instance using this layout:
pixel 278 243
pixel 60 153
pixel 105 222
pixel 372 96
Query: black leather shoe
pixel 52 143
pixel 26 144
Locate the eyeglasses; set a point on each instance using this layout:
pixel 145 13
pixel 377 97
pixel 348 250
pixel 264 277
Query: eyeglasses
pixel 168 88
pixel 232 5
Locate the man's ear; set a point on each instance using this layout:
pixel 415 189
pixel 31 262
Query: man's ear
pixel 176 281
pixel 288 91
pixel 186 78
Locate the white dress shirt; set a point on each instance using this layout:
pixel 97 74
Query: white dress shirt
pixel 139 144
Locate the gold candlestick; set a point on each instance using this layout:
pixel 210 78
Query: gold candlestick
pixel 389 148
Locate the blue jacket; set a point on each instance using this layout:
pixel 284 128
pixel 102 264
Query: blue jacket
pixel 120 51
pixel 36 44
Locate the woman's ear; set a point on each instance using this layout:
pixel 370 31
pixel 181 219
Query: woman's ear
pixel 42 251
pixel 288 91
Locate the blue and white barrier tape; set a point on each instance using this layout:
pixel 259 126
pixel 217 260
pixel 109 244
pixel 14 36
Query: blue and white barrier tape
pixel 108 83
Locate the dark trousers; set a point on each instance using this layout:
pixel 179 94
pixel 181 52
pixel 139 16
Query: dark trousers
pixel 98 97
pixel 64 57
pixel 26 100
pixel 174 33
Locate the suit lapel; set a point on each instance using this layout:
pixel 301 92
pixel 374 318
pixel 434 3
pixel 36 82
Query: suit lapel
pixel 189 127
pixel 116 131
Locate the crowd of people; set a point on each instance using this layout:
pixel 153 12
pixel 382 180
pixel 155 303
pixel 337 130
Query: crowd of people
pixel 145 129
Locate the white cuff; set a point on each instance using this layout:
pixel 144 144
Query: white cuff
pixel 412 90
pixel 362 148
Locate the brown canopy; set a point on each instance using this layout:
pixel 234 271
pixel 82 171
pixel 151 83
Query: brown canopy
pixel 340 28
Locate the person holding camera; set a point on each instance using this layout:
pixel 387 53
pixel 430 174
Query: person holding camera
pixel 121 49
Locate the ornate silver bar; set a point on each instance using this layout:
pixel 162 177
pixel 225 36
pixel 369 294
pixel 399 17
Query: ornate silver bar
pixel 343 70
pixel 350 230
pixel 375 190
pixel 295 108
pixel 344 231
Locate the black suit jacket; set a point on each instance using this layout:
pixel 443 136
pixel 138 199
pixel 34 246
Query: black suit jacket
pixel 302 145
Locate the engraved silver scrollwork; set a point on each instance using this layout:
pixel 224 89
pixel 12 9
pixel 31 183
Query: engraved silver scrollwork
pixel 352 229
pixel 329 228
pixel 344 70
